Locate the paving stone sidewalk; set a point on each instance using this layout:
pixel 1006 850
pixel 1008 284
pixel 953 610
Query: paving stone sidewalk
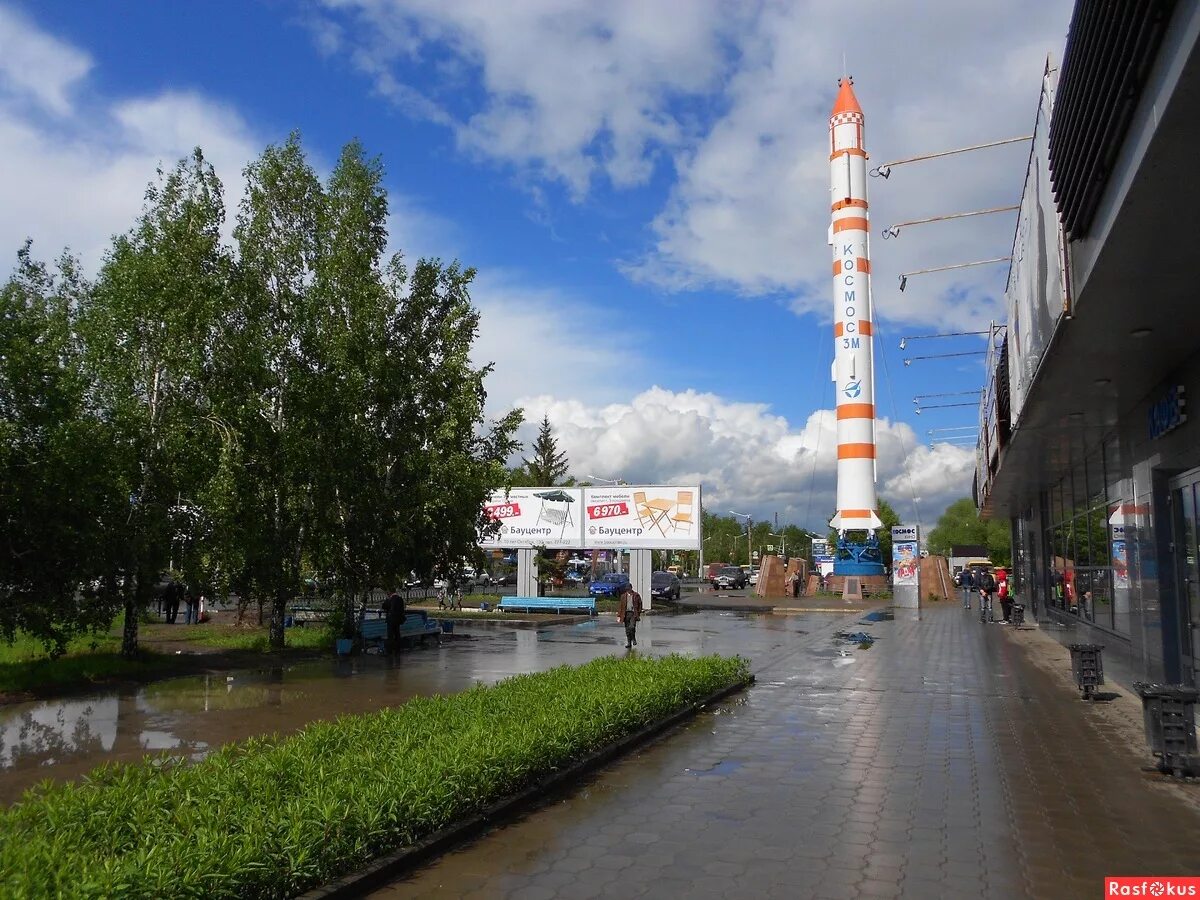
pixel 942 762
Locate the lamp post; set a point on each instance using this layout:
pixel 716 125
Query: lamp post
pixel 783 543
pixel 749 527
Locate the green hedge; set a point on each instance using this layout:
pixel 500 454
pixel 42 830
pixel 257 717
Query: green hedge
pixel 273 816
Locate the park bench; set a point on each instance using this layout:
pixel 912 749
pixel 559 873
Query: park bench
pixel 417 627
pixel 547 604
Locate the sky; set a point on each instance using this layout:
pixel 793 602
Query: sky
pixel 642 185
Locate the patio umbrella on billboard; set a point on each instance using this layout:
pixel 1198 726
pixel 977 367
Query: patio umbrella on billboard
pixel 555 513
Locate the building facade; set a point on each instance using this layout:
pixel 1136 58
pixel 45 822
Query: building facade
pixel 1087 445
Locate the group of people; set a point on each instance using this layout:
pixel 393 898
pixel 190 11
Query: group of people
pixel 987 583
pixel 172 596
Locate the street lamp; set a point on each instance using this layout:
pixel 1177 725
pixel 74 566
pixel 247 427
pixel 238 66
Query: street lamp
pixel 613 481
pixel 749 523
pixel 783 547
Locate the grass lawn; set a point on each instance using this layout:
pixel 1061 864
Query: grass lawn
pixel 272 817
pixel 25 665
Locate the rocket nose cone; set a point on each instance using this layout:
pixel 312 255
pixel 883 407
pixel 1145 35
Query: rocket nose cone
pixel 846 101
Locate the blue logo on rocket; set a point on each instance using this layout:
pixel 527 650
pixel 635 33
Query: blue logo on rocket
pixel 852 389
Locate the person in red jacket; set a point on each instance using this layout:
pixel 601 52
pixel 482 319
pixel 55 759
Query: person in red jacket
pixel 1003 593
pixel 628 613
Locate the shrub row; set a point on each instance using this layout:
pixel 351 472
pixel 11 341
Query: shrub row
pixel 271 817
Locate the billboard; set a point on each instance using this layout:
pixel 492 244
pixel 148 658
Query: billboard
pixel 642 517
pixel 627 517
pixel 1036 293
pixel 536 517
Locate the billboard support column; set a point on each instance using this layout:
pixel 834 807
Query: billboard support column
pixel 906 566
pixel 641 564
pixel 526 573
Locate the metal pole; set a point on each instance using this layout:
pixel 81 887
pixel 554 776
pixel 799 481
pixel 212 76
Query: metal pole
pixel 886 169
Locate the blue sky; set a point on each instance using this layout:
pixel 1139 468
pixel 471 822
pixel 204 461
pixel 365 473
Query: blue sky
pixel 642 186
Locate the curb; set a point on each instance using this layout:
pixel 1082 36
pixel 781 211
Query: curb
pixel 386 868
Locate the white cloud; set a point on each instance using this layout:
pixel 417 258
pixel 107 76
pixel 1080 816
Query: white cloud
pixel 572 88
pixel 745 456
pixel 542 340
pixel 76 181
pixel 739 95
pixel 37 65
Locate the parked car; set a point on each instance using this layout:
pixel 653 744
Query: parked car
pixel 754 576
pixel 505 578
pixel 610 585
pixel 712 570
pixel 665 586
pixel 731 578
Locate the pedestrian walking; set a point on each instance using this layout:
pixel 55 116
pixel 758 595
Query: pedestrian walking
pixel 628 613
pixel 171 598
pixel 794 584
pixel 987 588
pixel 393 611
pixel 191 602
pixel 968 586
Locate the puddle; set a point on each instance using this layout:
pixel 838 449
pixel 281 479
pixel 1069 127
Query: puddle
pixel 724 767
pixel 880 615
pixel 189 716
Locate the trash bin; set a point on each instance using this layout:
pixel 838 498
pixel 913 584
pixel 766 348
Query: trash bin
pixel 447 626
pixel 1168 712
pixel 344 646
pixel 1017 616
pixel 1087 666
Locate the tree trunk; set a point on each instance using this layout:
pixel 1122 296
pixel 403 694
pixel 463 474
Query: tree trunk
pixel 129 634
pixel 135 601
pixel 278 610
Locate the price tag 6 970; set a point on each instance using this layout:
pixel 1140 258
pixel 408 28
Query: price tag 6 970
pixel 607 510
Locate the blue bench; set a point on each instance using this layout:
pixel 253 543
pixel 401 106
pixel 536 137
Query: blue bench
pixel 417 627
pixel 547 604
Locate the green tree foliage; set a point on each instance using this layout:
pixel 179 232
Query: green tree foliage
pixel 304 407
pixel 548 465
pixel 62 488
pixel 960 524
pixel 150 330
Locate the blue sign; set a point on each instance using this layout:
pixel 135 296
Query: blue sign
pixel 1167 414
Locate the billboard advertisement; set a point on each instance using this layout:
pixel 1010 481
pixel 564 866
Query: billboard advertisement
pixel 906 555
pixel 536 517
pixel 1036 293
pixel 642 517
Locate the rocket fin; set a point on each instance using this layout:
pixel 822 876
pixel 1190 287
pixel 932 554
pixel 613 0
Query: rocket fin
pixel 857 524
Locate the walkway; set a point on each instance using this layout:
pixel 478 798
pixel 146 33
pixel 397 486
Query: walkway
pixel 942 762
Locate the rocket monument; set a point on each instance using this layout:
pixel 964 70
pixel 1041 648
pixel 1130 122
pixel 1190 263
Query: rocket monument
pixel 853 356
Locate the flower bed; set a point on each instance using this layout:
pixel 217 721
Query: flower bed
pixel 270 817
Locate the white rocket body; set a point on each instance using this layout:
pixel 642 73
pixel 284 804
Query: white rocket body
pixel 853 357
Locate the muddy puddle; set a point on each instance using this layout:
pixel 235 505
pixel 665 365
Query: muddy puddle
pixel 63 739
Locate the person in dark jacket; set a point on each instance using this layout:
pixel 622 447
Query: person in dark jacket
pixel 628 613
pixel 968 586
pixel 393 611
pixel 171 597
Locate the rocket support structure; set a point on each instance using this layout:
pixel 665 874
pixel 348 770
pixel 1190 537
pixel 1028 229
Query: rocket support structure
pixel 853 356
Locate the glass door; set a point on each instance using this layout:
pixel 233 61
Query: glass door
pixel 1184 491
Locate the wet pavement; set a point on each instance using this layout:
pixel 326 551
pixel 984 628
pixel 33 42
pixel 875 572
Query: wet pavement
pixel 943 761
pixel 64 739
